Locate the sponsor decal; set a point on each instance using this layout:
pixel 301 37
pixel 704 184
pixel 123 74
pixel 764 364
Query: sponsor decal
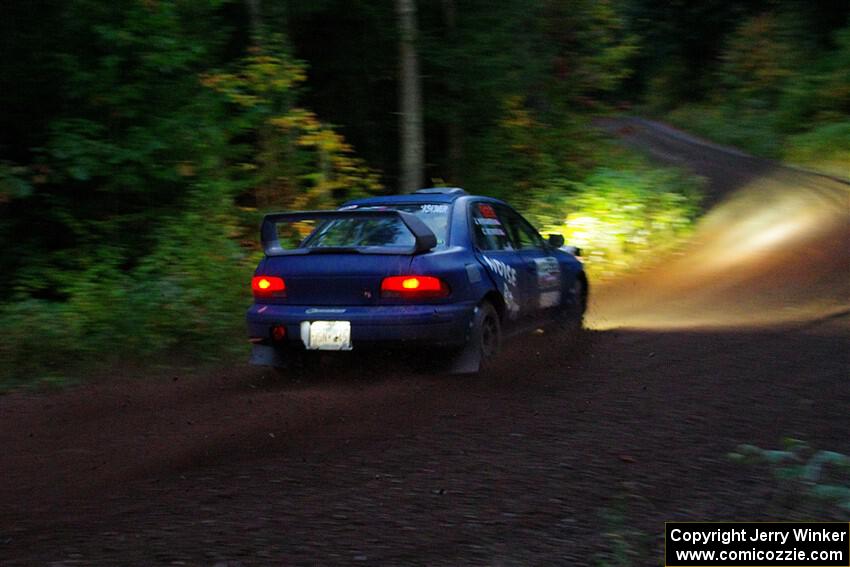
pixel 549 299
pixel 501 269
pixel 548 272
pixel 510 302
pixel 431 209
pixel 493 231
pixel 487 211
pixel 491 222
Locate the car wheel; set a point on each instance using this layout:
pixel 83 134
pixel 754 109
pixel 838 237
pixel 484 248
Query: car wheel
pixel 485 340
pixel 488 331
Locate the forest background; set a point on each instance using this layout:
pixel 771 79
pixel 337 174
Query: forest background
pixel 142 140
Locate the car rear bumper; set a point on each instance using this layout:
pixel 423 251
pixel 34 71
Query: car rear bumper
pixel 437 325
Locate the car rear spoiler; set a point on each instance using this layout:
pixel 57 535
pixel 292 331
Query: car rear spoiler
pixel 425 239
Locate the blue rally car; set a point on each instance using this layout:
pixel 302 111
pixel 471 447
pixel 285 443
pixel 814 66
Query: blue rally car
pixel 437 268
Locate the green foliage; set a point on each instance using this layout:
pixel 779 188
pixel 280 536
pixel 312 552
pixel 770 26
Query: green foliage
pixel 776 92
pixel 523 152
pixel 620 214
pixel 753 130
pixel 667 87
pixel 298 162
pixel 129 239
pixel 616 207
pixel 819 93
pixel 197 275
pixel 13 182
pixel 591 45
pixel 189 294
pixel 624 545
pixel 826 148
pixel 38 341
pixel 756 61
pixel 820 477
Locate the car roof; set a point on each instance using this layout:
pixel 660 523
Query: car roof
pixel 431 195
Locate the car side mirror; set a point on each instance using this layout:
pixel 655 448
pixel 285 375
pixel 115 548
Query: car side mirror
pixel 556 240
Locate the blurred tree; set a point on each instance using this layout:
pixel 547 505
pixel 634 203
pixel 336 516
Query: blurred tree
pixel 819 92
pixel 352 80
pixel 123 215
pixel 131 134
pixel 756 61
pixel 295 160
pixel 453 172
pixel 255 18
pixel 411 134
pixel 680 41
pixel 474 56
pixel 683 42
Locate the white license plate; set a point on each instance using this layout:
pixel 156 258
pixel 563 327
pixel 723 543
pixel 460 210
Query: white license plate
pixel 326 335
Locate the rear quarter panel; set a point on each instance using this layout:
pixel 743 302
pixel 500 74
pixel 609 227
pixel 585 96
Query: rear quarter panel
pixel 458 267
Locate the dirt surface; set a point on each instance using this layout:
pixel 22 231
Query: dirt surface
pixel 561 456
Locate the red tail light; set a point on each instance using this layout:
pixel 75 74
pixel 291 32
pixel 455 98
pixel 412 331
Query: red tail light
pixel 268 286
pixel 278 333
pixel 414 286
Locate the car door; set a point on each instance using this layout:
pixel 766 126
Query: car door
pixel 497 253
pixel 539 262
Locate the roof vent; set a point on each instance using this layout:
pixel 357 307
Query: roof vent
pixel 441 191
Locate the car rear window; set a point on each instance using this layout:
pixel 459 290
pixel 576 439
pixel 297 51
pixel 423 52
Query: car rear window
pixel 356 232
pixel 388 232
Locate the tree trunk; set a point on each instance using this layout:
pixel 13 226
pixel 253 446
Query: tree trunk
pixel 454 130
pixel 255 20
pixel 412 136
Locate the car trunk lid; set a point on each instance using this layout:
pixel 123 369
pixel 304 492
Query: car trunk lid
pixel 329 278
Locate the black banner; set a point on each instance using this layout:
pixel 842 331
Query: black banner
pixel 757 544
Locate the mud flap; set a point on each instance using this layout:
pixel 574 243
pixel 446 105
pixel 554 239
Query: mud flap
pixel 264 355
pixel 467 361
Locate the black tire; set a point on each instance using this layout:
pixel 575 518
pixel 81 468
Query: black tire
pixel 484 343
pixel 487 331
